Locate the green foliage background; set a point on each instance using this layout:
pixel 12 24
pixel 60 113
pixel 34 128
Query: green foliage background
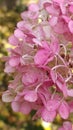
pixel 8 19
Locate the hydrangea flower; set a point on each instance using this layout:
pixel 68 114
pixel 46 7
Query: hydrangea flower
pixel 41 61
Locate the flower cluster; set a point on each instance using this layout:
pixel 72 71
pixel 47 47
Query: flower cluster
pixel 41 61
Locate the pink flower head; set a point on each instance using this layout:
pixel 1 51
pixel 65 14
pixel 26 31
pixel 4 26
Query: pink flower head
pixel 41 62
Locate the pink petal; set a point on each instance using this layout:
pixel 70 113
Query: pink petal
pixel 58 1
pixel 16 106
pixel 14 61
pixel 21 25
pixel 55 47
pixel 25 108
pixel 29 78
pixel 13 40
pixel 64 110
pixel 70 92
pixel 42 2
pixel 66 18
pixel 61 84
pixel 33 15
pixel 53 76
pixel 41 57
pixel 71 8
pixel 61 26
pixel 53 21
pixel 51 9
pixel 48 116
pixel 33 11
pixel 19 34
pixel 33 7
pixel 67 125
pixel 70 25
pixel 61 4
pixel 52 105
pixel 25 27
pixel 31 96
pixel 9 69
pixel 24 15
pixel 63 8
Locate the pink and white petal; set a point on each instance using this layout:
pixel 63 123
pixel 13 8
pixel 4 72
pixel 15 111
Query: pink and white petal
pixel 9 69
pixel 70 92
pixel 16 106
pixel 7 96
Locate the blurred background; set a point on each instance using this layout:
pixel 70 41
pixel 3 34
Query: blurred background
pixel 9 15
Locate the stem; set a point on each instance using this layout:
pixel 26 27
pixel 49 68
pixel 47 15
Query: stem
pixel 68 77
pixel 64 49
pixel 57 66
pixel 61 59
pixel 38 87
pixel 53 94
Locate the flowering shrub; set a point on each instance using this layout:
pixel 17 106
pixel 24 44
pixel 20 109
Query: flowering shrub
pixel 41 62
